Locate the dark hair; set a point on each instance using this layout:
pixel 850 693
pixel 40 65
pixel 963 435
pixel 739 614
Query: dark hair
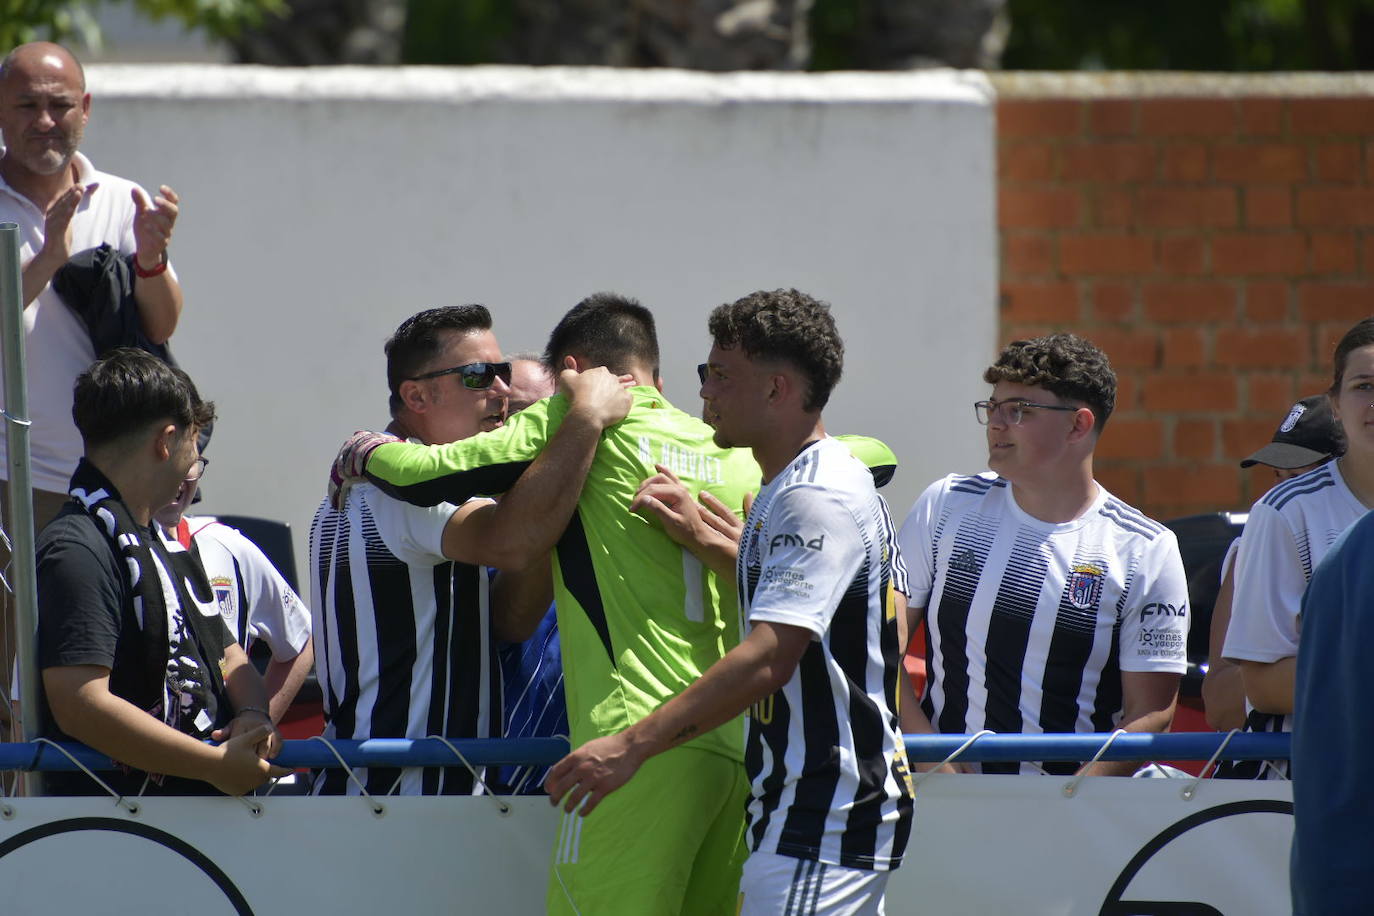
pixel 788 326
pixel 128 390
pixel 1361 335
pixel 1065 365
pixel 608 330
pixel 420 338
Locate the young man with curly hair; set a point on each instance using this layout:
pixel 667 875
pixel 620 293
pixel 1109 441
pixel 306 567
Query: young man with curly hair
pixel 818 574
pixel 1052 606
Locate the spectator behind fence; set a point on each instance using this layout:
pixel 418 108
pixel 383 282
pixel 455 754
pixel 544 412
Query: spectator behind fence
pixel 1308 436
pixel 1052 606
pixel 1333 804
pixel 531 671
pixel 64 206
pixel 1288 532
pixel 638 617
pixel 404 620
pixel 817 572
pixel 136 660
pixel 254 599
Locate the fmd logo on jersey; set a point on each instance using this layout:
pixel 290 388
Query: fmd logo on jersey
pixel 795 540
pixel 1085 585
pixel 1161 609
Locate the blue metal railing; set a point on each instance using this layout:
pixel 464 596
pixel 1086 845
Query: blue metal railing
pixel 394 752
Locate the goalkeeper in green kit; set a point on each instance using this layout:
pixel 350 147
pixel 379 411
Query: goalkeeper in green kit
pixel 639 617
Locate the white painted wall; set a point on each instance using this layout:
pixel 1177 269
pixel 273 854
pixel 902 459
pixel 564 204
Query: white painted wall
pixel 320 208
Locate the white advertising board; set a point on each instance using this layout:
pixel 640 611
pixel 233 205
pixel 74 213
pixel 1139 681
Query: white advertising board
pixel 980 845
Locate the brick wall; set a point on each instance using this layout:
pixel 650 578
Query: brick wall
pixel 1214 235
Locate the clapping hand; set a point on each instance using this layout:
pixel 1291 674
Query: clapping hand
pixel 153 222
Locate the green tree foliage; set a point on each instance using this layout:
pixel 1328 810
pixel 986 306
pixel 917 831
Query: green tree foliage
pixel 58 20
pixel 1226 35
pixel 457 31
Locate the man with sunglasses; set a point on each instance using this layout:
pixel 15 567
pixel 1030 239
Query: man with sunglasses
pixel 405 615
pixel 256 602
pixel 639 617
pixel 1052 606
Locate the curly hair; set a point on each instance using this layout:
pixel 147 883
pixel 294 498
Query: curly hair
pixel 1360 335
pixel 789 326
pixel 1065 365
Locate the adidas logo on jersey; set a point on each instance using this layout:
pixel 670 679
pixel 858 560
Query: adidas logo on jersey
pixel 964 561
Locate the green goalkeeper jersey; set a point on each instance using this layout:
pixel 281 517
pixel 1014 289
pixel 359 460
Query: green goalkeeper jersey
pixel 639 617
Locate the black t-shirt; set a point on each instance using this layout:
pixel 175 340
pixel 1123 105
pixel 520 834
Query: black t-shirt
pixel 86 616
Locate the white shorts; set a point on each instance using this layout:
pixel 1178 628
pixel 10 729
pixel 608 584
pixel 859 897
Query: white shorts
pixel 775 885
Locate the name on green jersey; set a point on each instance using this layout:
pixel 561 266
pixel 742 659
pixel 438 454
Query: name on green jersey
pixel 683 462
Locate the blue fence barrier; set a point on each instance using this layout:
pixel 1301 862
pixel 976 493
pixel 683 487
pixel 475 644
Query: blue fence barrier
pixel 394 752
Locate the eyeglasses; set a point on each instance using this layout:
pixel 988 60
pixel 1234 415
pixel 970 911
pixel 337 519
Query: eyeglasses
pixel 197 469
pixel 475 376
pixel 1014 410
pixel 702 370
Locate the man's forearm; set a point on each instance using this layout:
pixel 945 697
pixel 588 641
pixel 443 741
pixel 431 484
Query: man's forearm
pixel 37 274
pixel 242 681
pixel 535 511
pixel 283 680
pixel 520 599
pixel 1269 685
pixel 756 668
pixel 116 727
pixel 717 553
pixel 1155 720
pixel 159 305
pixel 1223 695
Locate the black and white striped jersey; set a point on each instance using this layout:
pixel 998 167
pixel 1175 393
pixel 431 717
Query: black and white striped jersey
pixel 1288 532
pixel 1028 623
pixel 825 752
pixel 402 640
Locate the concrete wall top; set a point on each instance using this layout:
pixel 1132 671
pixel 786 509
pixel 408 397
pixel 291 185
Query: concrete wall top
pixel 457 85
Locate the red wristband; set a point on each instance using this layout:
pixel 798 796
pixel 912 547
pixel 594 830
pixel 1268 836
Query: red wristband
pixel 145 274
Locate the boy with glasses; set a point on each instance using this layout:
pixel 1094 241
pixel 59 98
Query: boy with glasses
pixel 254 599
pixel 132 666
pixel 1052 605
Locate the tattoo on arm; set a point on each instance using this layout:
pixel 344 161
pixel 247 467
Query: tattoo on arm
pixel 687 732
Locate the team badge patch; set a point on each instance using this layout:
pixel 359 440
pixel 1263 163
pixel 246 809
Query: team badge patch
pixel 1085 585
pixel 1292 419
pixel 224 593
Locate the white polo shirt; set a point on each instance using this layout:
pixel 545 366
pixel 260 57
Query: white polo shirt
pixel 59 349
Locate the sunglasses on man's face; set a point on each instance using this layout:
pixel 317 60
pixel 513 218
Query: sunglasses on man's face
pixel 475 376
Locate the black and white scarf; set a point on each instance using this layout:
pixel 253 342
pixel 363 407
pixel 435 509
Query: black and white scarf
pixel 174 608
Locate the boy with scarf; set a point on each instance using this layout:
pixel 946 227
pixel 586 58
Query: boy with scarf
pixel 135 658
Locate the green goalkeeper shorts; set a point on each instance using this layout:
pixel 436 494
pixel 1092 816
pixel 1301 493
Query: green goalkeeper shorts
pixel 669 841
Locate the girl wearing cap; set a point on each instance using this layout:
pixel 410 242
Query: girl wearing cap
pixel 1308 437
pixel 1289 530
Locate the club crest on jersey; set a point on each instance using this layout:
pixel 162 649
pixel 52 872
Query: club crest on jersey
pixel 752 555
pixel 224 593
pixel 1085 585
